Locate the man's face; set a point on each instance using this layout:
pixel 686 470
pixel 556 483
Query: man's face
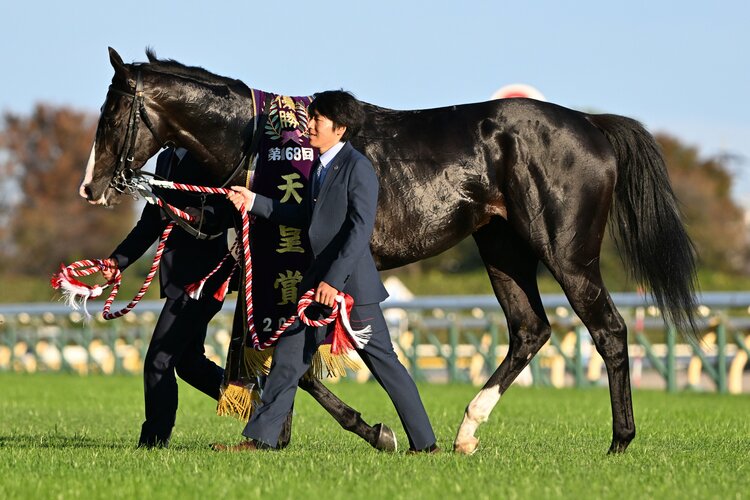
pixel 323 135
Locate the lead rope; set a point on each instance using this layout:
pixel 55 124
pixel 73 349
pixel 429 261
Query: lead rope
pixel 65 280
pixel 76 293
pixel 146 283
pixel 340 341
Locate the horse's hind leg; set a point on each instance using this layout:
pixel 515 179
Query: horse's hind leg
pixel 570 248
pixel 512 269
pixel 592 303
pixel 380 436
pixel 286 432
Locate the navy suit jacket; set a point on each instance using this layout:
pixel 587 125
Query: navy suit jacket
pixel 339 224
pixel 185 259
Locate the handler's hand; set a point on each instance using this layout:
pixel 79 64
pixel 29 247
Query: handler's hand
pixel 325 294
pixel 242 197
pixel 111 268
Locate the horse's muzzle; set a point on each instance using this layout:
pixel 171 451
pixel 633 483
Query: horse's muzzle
pixel 85 192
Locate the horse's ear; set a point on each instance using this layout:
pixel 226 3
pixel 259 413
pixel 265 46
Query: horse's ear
pixel 116 60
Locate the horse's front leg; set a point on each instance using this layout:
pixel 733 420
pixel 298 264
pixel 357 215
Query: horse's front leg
pixel 380 436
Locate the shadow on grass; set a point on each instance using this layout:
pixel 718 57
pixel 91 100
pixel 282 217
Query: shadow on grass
pixel 57 441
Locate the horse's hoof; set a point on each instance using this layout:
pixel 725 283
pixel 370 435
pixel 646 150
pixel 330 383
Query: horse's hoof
pixel 386 438
pixel 467 446
pixel 617 448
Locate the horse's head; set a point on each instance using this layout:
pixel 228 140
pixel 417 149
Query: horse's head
pixel 130 132
pixel 163 101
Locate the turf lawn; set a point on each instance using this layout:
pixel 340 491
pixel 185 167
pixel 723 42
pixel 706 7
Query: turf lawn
pixel 64 436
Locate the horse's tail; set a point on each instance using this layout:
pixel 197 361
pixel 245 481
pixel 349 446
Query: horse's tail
pixel 650 232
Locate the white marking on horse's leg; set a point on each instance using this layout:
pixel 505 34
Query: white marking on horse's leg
pixel 476 413
pixel 89 172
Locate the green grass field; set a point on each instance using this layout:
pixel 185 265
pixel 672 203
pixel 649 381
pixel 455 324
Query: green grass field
pixel 65 436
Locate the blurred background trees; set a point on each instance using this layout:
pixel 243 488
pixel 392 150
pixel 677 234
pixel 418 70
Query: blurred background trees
pixel 44 222
pixel 715 222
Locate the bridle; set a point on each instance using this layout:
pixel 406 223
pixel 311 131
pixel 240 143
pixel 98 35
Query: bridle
pixel 127 180
pixel 123 175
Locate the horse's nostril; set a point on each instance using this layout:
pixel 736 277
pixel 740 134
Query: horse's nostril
pixel 86 192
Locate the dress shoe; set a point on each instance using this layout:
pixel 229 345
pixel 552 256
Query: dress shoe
pixel 247 445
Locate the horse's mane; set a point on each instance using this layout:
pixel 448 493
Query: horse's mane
pixel 172 67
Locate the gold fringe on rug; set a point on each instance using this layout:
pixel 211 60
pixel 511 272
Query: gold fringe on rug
pixel 258 362
pixel 325 364
pixel 238 401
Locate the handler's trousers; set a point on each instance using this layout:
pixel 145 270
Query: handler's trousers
pixel 293 356
pixel 177 344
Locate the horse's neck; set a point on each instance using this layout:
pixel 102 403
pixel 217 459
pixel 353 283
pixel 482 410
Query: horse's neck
pixel 217 132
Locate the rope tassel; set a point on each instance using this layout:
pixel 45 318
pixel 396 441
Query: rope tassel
pixel 74 292
pixel 221 293
pixel 195 290
pixel 343 333
pixel 71 288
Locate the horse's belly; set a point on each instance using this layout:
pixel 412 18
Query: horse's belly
pixel 426 231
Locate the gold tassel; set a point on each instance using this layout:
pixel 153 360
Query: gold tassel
pixel 238 401
pixel 258 362
pixel 325 364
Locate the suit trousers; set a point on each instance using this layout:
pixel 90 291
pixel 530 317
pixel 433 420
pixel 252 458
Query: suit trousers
pixel 177 344
pixel 293 356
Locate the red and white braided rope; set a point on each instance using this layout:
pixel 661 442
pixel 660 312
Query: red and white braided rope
pixel 74 290
pixel 195 290
pixel 146 283
pixel 65 280
pixel 338 312
pixel 76 293
pixel 189 187
pixel 360 337
pixel 303 303
pixel 88 267
pixel 183 187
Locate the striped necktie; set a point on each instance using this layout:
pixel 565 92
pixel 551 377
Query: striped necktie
pixel 318 168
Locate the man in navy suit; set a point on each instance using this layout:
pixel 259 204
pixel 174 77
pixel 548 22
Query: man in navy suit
pixel 339 214
pixel 177 341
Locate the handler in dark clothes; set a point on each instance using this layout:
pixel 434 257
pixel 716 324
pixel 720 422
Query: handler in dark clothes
pixel 338 212
pixel 177 341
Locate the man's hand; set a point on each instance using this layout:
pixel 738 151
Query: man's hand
pixel 325 294
pixel 242 197
pixel 110 269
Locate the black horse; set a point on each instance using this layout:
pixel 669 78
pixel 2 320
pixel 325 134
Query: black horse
pixel 530 181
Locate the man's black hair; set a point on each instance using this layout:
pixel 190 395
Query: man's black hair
pixel 342 108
